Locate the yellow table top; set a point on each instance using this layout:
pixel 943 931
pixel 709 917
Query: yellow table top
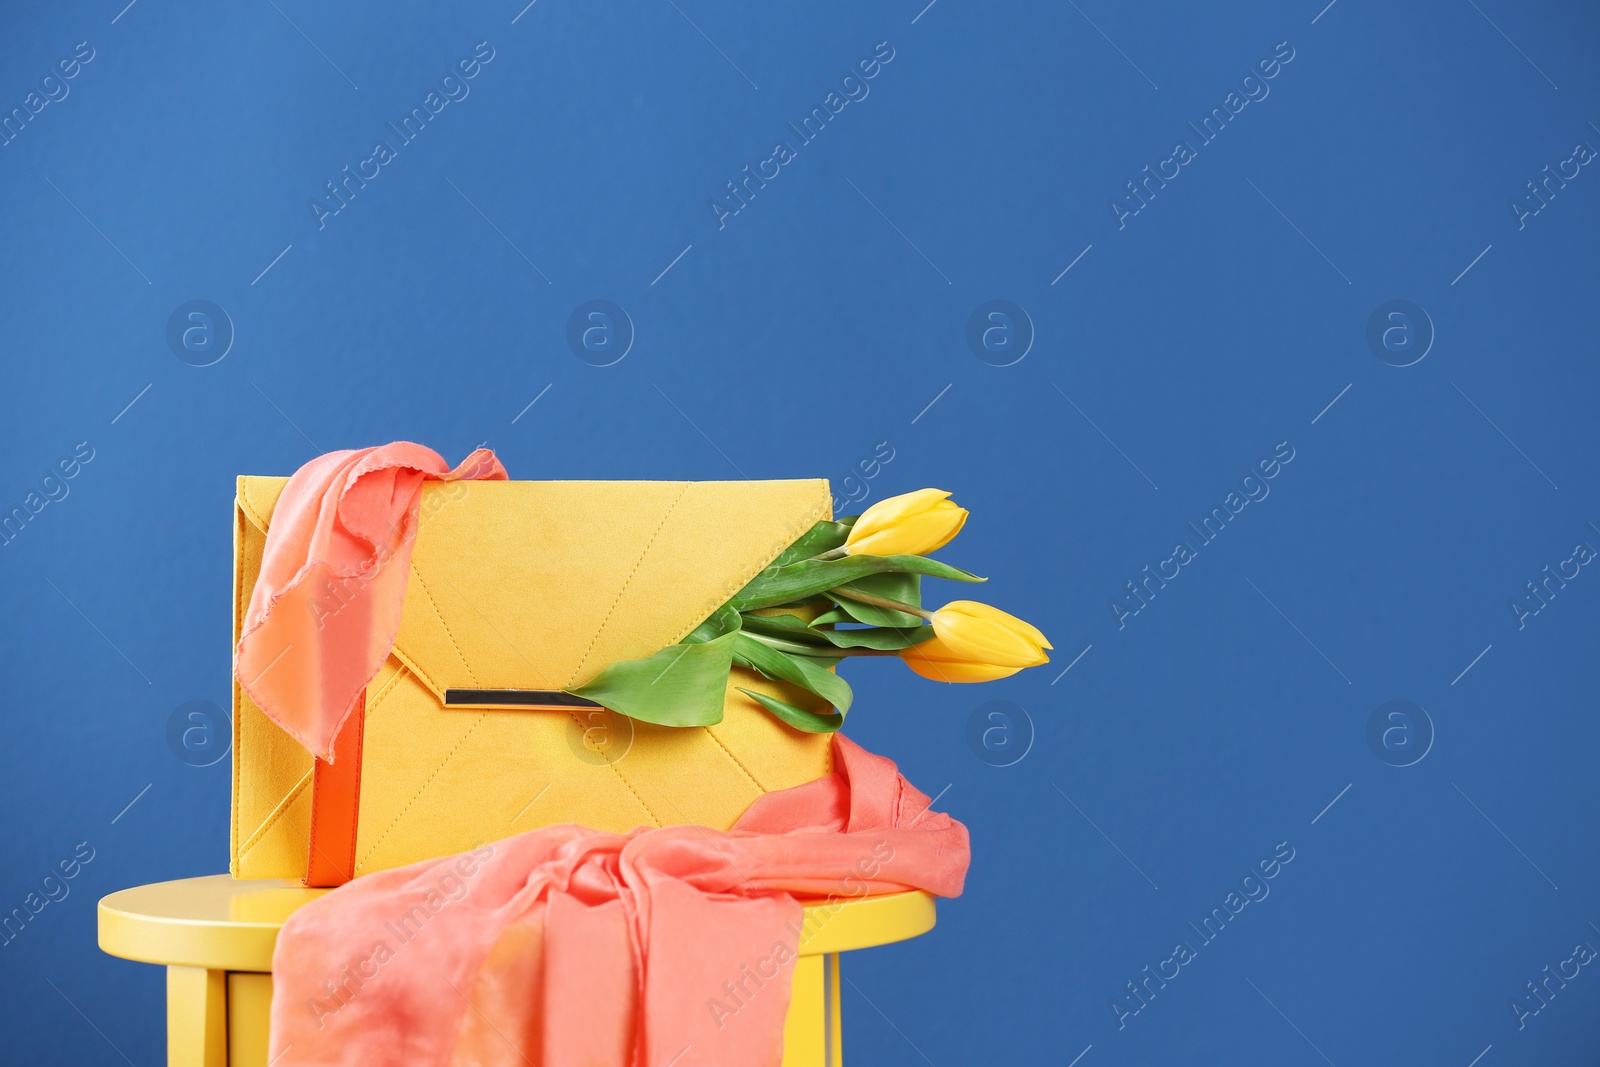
pixel 227 924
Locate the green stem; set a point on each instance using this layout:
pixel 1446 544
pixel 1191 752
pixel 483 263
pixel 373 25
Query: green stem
pixel 796 648
pixel 881 602
pixel 832 553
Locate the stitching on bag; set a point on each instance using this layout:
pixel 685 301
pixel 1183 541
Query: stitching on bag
pixel 421 584
pixel 812 517
pixel 283 805
pixel 277 813
pixel 629 786
pixel 311 835
pixel 453 642
pixel 606 621
pixel 818 510
pixel 416 668
pixel 629 580
pixel 729 752
pixel 388 687
pixel 252 512
pixel 652 815
pixel 362 862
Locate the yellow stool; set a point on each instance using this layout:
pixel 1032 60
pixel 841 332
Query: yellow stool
pixel 215 935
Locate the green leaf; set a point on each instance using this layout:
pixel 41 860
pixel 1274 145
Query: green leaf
pixel 810 577
pixel 801 671
pixel 790 628
pixel 825 536
pixel 798 717
pixel 883 638
pixel 826 652
pixel 906 588
pixel 722 621
pixel 682 685
pixel 871 614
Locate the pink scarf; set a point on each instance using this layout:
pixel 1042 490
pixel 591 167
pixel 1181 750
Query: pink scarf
pixel 567 946
pixel 342 532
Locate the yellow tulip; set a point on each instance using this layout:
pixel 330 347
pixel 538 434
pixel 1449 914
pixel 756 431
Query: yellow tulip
pixel 912 524
pixel 980 634
pixel 934 660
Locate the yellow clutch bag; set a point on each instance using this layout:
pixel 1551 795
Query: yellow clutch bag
pixel 519 590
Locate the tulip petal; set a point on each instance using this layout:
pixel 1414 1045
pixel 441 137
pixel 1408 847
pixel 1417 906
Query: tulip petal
pixel 911 524
pixel 937 671
pixel 935 660
pixel 981 633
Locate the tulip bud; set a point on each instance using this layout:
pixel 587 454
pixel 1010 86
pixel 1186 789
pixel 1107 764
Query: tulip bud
pixel 912 524
pixel 980 634
pixel 934 660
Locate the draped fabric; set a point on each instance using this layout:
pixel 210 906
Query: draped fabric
pixel 325 610
pixel 566 946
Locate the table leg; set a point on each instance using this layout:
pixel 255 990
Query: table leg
pixel 249 1018
pixel 197 1017
pixel 835 1020
pixel 811 1031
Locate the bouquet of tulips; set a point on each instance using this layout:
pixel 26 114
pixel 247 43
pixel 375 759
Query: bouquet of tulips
pixel 846 588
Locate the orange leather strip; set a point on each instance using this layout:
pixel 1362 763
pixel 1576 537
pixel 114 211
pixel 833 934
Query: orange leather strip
pixel 336 805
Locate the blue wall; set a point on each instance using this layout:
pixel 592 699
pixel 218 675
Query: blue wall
pixel 1233 314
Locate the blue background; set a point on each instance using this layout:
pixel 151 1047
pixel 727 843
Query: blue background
pixel 831 314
